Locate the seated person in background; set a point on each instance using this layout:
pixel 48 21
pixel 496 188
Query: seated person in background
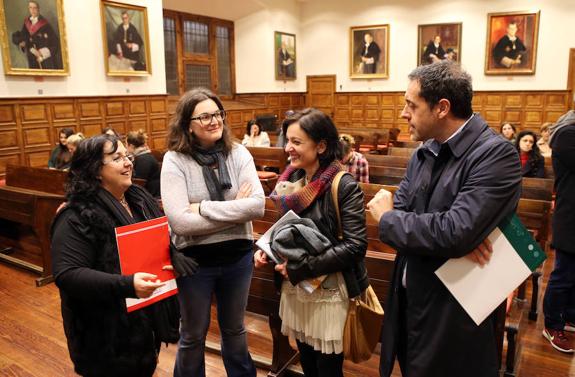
pixel 110 131
pixel 145 164
pixel 60 156
pixel 73 140
pixel 281 142
pixel 254 136
pixel 434 52
pixel 508 131
pixel 354 161
pixel 532 162
pixel 543 142
pixel 393 135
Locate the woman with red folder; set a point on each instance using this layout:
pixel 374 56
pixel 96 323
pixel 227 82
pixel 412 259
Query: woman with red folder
pixel 103 338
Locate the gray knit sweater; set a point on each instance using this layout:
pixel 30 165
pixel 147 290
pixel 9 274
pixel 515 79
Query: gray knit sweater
pixel 182 183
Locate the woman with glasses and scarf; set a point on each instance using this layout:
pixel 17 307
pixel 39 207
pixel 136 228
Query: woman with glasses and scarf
pixel 316 320
pixel 210 193
pixel 103 338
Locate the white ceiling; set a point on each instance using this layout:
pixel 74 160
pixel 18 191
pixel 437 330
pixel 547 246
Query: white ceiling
pixel 224 9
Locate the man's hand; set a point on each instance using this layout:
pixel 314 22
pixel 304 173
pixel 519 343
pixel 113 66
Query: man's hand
pixel 482 253
pixel 380 204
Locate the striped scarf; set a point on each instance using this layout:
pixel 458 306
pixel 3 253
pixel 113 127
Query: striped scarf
pixel 300 200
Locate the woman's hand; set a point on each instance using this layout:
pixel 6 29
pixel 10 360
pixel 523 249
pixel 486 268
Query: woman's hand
pixel 282 269
pixel 260 259
pixel 245 191
pixel 145 284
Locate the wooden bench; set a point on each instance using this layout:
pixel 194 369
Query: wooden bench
pixel 386 169
pixel 400 151
pixel 31 197
pixel 266 158
pixel 537 188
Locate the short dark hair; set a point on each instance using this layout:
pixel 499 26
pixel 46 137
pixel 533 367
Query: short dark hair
pixel 180 138
pixel 445 80
pixel 106 129
pixel 83 178
pixel 66 131
pixel 250 123
pixel 318 126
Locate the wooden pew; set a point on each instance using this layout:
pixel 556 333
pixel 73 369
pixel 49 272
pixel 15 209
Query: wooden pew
pixel 537 188
pixel 268 157
pixel 31 197
pixel 396 151
pixel 386 169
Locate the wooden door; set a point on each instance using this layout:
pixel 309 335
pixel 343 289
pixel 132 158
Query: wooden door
pixel 571 76
pixel 321 93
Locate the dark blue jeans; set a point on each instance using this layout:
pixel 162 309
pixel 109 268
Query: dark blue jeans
pixel 230 284
pixel 559 300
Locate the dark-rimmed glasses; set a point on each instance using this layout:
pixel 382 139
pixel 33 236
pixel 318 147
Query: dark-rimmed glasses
pixel 206 118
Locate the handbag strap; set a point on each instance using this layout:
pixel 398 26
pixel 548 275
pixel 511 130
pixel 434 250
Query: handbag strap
pixel 334 197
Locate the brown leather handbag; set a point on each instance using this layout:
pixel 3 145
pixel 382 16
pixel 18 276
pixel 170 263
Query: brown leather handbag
pixel 364 314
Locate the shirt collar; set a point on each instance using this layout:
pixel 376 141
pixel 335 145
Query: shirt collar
pixel 435 145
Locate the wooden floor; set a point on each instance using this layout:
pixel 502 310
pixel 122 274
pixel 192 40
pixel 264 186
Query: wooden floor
pixel 32 341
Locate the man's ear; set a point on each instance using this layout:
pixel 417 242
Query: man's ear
pixel 443 107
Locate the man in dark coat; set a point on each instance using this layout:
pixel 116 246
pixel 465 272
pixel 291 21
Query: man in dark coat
pixel 509 52
pixel 128 43
pixel 38 41
pixel 370 54
pixel 459 185
pixel 559 301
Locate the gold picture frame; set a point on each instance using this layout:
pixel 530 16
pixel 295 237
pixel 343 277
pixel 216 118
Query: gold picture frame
pixel 285 56
pixel 511 47
pixel 33 38
pixel 438 42
pixel 126 39
pixel 369 52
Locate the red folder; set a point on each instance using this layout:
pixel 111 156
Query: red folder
pixel 145 247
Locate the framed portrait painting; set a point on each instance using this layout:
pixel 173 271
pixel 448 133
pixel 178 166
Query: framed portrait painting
pixel 369 51
pixel 438 42
pixel 511 47
pixel 126 39
pixel 285 56
pixel 33 38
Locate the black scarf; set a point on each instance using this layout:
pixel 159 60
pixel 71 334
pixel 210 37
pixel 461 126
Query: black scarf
pixel 207 158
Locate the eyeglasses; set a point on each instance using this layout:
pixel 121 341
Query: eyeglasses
pixel 120 159
pixel 206 118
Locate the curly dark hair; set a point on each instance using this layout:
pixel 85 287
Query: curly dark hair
pixel 83 178
pixel 180 138
pixel 535 155
pixel 318 126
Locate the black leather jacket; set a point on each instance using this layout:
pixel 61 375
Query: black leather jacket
pixel 347 255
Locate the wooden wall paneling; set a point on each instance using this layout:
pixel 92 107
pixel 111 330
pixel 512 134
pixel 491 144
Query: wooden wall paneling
pixel 534 100
pixel 159 125
pixel 7 114
pixel 118 124
pixel 8 138
pixel 157 106
pixel 5 159
pixel 158 142
pixel 137 107
pixel 33 113
pixel 93 129
pixel 135 124
pixel 38 159
pixel 63 111
pixel 114 108
pixel 37 136
pixel 90 109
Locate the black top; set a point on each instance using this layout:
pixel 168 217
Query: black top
pixel 147 167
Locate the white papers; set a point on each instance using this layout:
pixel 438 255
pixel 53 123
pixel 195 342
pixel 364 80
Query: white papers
pixel 480 290
pixel 265 240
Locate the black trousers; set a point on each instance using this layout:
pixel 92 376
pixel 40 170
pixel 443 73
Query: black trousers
pixel 317 364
